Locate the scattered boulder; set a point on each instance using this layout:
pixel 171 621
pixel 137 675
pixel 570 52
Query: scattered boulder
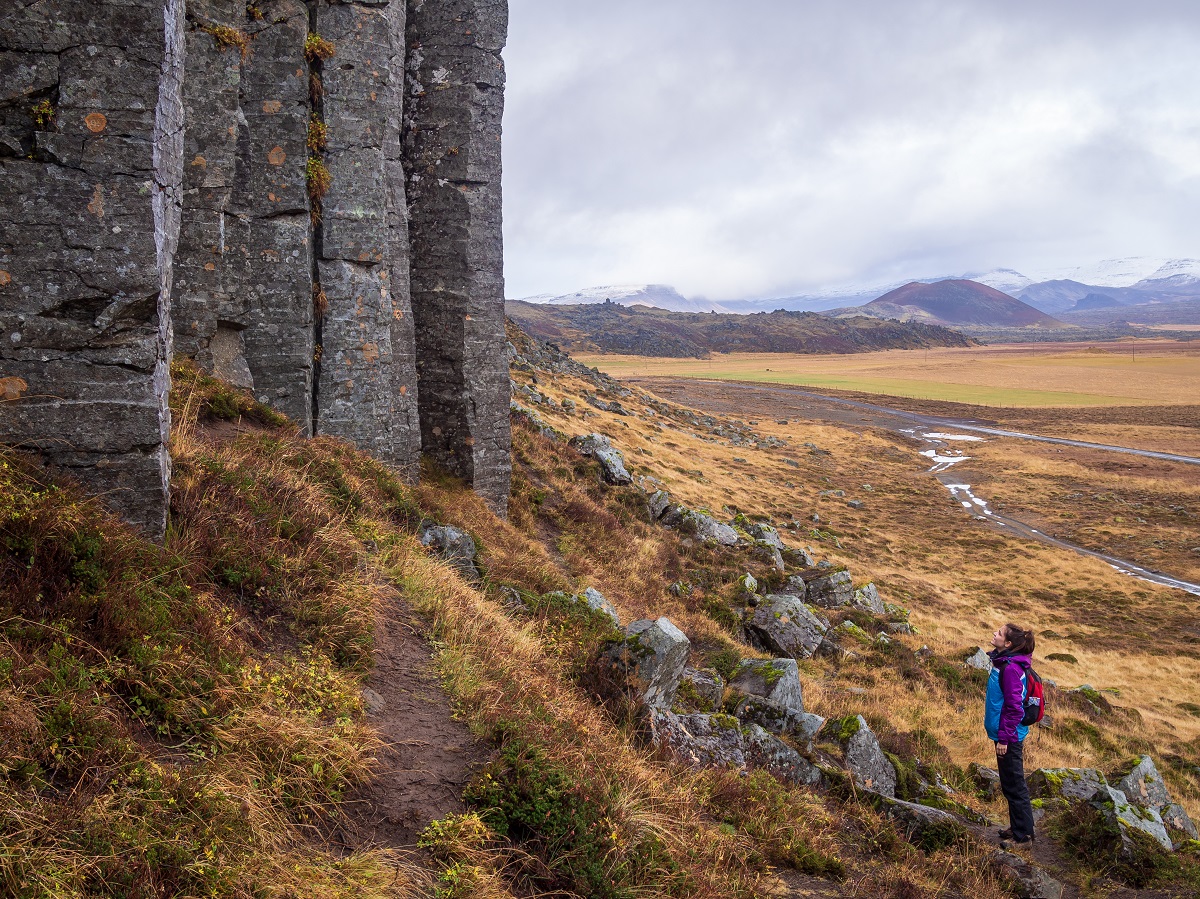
pixel 800 558
pixel 700 740
pixel 748 583
pixel 1031 882
pixel 829 591
pixel 986 780
pixel 795 586
pixel 454 546
pixel 651 658
pixel 600 448
pixel 867 599
pixel 978 659
pixel 700 525
pixel 1065 783
pixel 775 679
pixel 764 533
pixel 833 643
pixel 784 625
pixel 596 601
pixel 765 750
pixel 707 686
pixel 800 726
pixel 929 828
pixel 1122 817
pixel 768 553
pixel 1144 787
pixel 862 755
pixel 658 502
pixel 1176 818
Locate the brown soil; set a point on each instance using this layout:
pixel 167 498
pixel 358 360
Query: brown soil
pixel 428 756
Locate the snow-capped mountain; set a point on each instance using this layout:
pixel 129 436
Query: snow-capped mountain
pixel 1005 280
pixel 661 296
pixel 1178 272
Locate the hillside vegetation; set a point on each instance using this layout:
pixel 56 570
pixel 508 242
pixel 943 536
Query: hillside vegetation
pixel 188 719
pixel 643 331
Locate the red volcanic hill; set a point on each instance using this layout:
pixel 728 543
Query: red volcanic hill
pixel 958 303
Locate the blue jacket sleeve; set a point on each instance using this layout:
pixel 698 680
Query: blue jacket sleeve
pixel 1013 688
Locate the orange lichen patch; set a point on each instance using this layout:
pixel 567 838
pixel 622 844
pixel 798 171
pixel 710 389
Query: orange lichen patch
pixel 201 162
pixel 95 122
pixel 370 352
pixel 276 156
pixel 270 107
pixel 210 267
pixel 403 389
pixel 12 388
pixel 96 207
pixel 5 278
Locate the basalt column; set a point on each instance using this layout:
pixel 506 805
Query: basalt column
pixel 452 159
pixel 367 385
pixel 90 154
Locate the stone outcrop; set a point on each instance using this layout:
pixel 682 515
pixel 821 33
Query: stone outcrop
pixel 301 195
pixel 600 448
pixel 91 109
pixel 862 755
pixel 452 160
pixel 651 659
pixel 783 624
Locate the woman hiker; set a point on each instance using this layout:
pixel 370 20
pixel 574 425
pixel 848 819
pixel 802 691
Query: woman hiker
pixel 1006 691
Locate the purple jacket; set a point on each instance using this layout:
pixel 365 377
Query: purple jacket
pixel 1006 691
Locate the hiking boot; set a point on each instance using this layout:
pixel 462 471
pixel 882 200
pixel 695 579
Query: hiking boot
pixel 1012 842
pixel 1005 834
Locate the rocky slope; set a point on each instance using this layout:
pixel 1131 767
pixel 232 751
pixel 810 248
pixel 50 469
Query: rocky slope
pixel 613 328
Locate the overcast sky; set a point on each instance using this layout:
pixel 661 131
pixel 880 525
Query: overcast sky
pixel 766 147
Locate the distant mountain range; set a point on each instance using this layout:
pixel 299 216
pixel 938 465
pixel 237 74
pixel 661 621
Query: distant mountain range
pixel 957 303
pixel 645 331
pixel 1138 290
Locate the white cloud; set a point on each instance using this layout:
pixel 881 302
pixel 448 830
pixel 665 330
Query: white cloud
pixel 792 144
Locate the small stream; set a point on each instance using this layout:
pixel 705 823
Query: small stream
pixel 944 458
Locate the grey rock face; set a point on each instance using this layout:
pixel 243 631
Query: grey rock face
pixel 986 779
pixel 784 625
pixel 775 679
pixel 90 193
pixel 769 553
pixel 867 599
pixel 1175 817
pixel 777 719
pixel 795 586
pixel 452 165
pixel 658 502
pixel 367 383
pixel 1122 817
pixel 708 686
pixel 801 558
pixel 1031 881
pixel 764 533
pixel 1065 783
pixel 651 658
pixel 830 591
pixel 978 659
pixel 699 740
pixel 705 528
pixel 600 448
pixel 455 546
pixel 767 751
pixel 1144 786
pixel 863 757
pixel 917 820
pixel 596 601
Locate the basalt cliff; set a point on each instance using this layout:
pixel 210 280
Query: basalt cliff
pixel 301 195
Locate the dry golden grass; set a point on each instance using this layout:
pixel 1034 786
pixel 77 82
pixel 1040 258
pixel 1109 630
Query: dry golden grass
pixel 1023 375
pixel 959 576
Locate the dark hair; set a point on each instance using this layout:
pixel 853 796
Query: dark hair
pixel 1022 640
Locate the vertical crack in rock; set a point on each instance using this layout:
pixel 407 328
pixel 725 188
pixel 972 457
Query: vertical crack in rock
pixel 89 165
pixel 452 162
pixel 317 182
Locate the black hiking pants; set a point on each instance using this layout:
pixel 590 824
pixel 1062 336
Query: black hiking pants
pixel 1011 767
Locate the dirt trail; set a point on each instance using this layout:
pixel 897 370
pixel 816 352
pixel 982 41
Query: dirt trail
pixel 429 756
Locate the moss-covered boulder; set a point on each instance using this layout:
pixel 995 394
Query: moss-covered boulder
pixel 651 660
pixel 1065 783
pixel 786 626
pixel 861 754
pixel 1125 819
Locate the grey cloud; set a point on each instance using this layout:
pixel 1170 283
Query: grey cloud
pixel 789 144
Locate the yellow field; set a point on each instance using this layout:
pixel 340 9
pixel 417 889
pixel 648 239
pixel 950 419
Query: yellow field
pixel 1154 372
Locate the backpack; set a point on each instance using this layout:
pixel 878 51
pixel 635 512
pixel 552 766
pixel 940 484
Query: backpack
pixel 1035 696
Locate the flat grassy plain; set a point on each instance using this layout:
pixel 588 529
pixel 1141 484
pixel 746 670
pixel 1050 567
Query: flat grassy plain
pixel 1142 372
